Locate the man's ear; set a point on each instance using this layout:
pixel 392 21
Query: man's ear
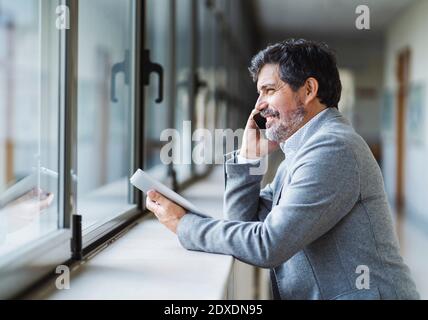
pixel 311 90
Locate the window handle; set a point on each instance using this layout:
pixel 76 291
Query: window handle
pixel 199 83
pixel 148 68
pixel 115 70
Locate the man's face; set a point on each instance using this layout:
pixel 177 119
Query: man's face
pixel 284 110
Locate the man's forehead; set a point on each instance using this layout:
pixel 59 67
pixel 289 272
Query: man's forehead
pixel 268 76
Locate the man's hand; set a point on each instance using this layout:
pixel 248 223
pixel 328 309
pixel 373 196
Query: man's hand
pixel 167 212
pixel 254 146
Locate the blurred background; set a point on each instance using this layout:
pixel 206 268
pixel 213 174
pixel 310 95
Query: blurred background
pixel 203 48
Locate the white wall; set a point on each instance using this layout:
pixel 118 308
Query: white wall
pixel 363 59
pixel 409 29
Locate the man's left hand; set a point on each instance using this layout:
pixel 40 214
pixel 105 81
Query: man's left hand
pixel 167 212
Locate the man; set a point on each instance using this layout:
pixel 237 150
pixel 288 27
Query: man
pixel 324 221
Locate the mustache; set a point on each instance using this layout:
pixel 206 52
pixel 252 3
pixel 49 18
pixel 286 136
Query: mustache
pixel 269 112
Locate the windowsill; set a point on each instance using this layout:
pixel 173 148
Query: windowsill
pixel 148 262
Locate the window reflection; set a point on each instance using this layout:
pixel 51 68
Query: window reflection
pixel 29 113
pixel 104 108
pixel 183 103
pixel 158 115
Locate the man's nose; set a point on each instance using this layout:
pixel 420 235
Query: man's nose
pixel 262 100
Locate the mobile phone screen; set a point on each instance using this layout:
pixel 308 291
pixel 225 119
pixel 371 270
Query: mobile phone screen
pixel 260 121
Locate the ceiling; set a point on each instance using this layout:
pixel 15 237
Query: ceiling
pixel 324 18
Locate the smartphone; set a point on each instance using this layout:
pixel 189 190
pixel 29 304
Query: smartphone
pixel 260 121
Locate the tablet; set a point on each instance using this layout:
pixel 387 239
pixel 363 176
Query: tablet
pixel 144 182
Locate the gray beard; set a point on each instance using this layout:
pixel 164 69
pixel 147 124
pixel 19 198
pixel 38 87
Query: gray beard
pixel 285 129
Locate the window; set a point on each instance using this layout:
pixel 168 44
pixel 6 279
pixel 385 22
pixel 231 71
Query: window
pixel 31 218
pixel 105 110
pixel 158 115
pixel 50 127
pixel 204 87
pixel 184 92
pixel 29 114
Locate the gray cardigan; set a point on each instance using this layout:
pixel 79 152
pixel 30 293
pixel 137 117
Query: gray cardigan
pixel 323 226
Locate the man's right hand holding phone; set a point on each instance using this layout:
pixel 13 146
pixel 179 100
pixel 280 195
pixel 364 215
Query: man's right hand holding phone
pixel 254 145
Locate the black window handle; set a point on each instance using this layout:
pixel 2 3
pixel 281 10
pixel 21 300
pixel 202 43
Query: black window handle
pixel 148 68
pixel 199 83
pixel 117 68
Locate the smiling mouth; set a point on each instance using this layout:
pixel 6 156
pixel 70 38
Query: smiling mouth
pixel 271 117
pixel 269 120
pixel 269 113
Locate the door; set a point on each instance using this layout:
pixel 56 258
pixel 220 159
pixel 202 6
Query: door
pixel 403 66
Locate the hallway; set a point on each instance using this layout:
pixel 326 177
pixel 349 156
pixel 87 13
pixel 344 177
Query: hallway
pixel 93 90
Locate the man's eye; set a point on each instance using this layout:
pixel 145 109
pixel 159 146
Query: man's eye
pixel 269 91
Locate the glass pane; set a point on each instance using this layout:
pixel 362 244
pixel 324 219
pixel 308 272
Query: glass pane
pixel 158 115
pixel 204 99
pixel 183 53
pixel 29 122
pixel 105 107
